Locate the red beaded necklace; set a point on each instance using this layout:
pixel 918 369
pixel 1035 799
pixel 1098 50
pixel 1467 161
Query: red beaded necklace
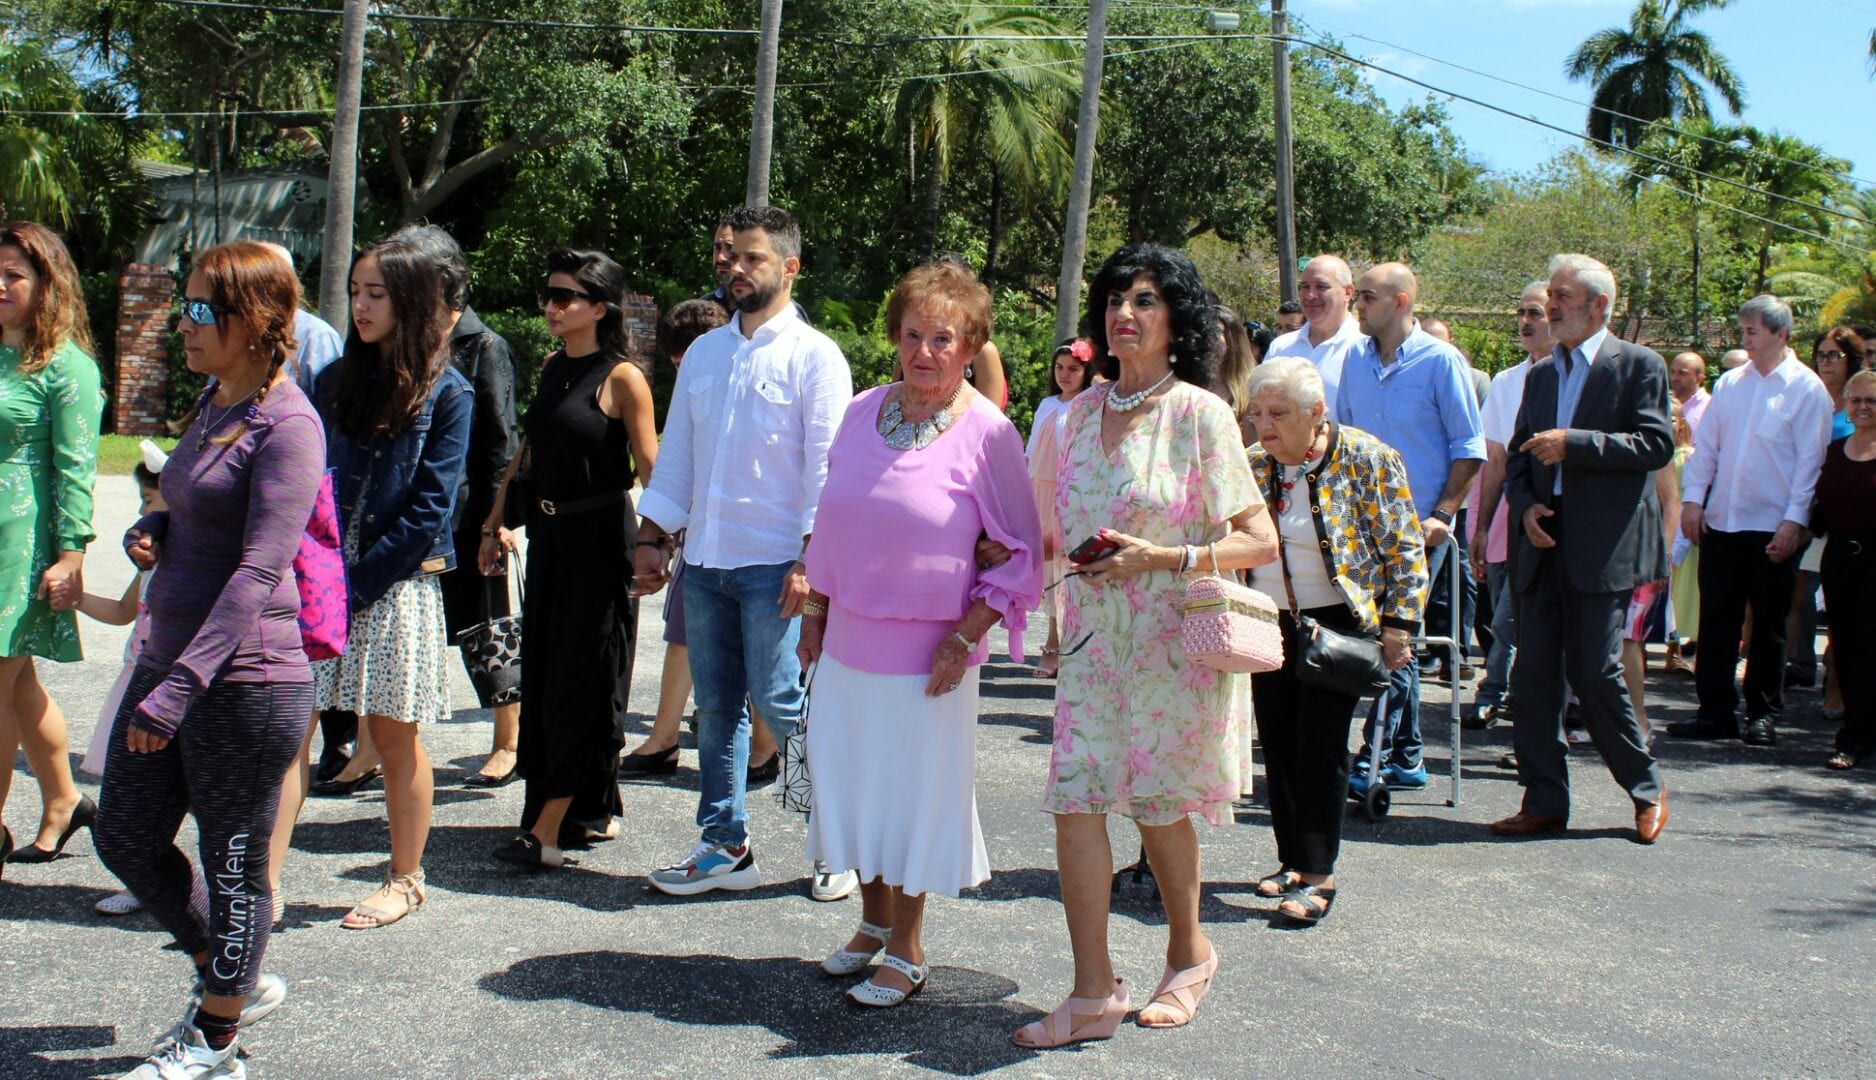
pixel 1283 500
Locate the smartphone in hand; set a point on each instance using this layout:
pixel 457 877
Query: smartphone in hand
pixel 1094 547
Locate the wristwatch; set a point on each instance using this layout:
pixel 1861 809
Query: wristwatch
pixel 1442 516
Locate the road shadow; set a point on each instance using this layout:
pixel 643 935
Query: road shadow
pixel 68 904
pixel 21 1047
pixel 960 1024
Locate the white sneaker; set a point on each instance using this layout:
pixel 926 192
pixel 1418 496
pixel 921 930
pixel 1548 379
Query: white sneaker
pixel 710 866
pixel 118 903
pixel 267 995
pixel 183 1055
pixel 828 885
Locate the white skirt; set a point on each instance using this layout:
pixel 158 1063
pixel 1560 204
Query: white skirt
pixel 397 657
pixel 894 773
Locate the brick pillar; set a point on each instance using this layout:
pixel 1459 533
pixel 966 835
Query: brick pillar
pixel 143 302
pixel 641 323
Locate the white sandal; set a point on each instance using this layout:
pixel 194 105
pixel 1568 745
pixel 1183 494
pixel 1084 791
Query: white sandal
pixel 848 961
pixel 875 996
pixel 118 903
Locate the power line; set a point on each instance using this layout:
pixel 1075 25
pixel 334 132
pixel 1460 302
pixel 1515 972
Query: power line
pixel 143 114
pixel 1749 150
pixel 1606 144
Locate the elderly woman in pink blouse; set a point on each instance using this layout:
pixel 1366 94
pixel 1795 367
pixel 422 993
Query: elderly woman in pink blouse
pixel 898 620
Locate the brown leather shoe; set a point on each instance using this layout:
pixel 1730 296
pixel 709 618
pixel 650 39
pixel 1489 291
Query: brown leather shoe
pixel 1525 823
pixel 1650 820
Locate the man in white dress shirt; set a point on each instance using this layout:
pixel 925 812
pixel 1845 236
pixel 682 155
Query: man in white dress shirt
pixel 1329 333
pixel 742 463
pixel 1748 493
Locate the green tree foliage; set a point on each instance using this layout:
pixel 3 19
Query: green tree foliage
pixel 1656 68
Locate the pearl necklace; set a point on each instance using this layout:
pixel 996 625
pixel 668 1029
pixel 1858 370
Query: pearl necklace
pixel 903 434
pixel 1129 402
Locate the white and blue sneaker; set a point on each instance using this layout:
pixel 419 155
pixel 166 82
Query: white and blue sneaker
pixel 710 866
pixel 185 1055
pixel 1405 779
pixel 267 995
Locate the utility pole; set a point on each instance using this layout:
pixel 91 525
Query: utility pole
pixel 335 263
pixel 762 128
pixel 1286 163
pixel 1081 185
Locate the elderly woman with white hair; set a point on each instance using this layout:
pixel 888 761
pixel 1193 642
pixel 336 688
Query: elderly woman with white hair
pixel 1352 559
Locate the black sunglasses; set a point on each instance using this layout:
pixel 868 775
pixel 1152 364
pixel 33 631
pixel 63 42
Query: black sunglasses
pixel 555 296
pixel 204 312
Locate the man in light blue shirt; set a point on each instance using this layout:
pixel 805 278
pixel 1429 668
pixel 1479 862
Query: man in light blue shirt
pixel 1411 390
pixel 320 344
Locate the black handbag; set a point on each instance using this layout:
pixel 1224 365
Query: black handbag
pixel 1326 659
pixel 491 650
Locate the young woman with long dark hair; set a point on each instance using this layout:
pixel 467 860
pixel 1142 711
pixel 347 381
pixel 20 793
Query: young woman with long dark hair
pixel 397 419
pixel 589 431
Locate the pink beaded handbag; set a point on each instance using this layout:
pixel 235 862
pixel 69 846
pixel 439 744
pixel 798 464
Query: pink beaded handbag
pixel 1230 627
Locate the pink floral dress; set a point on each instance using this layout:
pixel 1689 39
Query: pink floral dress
pixel 1138 730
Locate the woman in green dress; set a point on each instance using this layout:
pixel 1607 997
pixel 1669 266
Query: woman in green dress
pixel 50 406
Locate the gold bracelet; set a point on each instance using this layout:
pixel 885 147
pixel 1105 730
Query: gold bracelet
pixel 810 607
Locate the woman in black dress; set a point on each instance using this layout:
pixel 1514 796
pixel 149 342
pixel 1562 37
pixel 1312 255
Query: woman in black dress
pixel 591 420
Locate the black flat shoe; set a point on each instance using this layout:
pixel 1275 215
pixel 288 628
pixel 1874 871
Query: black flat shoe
pixel 529 854
pixel 662 763
pixel 765 772
pixel 484 780
pixel 84 816
pixel 6 844
pixel 338 789
pixel 1760 732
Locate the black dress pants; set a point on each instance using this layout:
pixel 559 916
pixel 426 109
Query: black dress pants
pixel 1305 736
pixel 1736 572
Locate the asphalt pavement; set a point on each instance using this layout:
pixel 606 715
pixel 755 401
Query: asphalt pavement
pixel 1741 944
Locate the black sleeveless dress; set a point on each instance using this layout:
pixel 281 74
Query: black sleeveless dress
pixel 579 619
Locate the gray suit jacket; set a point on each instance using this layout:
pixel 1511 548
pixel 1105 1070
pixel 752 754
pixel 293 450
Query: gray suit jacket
pixel 1620 435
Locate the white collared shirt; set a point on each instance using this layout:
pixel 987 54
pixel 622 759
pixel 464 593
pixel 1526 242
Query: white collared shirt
pixel 1498 417
pixel 744 453
pixel 1328 356
pixel 1759 448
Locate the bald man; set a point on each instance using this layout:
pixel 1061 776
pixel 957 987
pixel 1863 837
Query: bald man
pixel 1733 358
pixel 1413 392
pixel 1328 334
pixel 1687 377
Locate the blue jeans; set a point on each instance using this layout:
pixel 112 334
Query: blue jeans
pixel 1403 742
pixel 1497 682
pixel 740 647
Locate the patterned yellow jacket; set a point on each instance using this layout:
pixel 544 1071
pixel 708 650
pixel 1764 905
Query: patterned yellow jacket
pixel 1367 535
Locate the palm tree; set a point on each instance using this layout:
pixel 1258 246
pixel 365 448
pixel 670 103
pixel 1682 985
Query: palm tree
pixel 1009 100
pixel 1832 284
pixel 1687 156
pixel 1655 69
pixel 1795 179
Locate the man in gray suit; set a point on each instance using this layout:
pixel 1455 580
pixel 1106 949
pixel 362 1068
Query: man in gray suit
pixel 1579 479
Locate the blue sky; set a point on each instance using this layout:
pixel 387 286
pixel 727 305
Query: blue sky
pixel 1802 62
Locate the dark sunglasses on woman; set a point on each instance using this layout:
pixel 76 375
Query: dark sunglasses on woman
pixel 203 312
pixel 555 296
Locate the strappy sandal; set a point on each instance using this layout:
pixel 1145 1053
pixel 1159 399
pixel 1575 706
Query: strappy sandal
pixel 848 961
pixel 1180 992
pixel 875 996
pixel 1100 1019
pixel 1281 883
pixel 367 917
pixel 1841 760
pixel 1302 898
pixel 1050 664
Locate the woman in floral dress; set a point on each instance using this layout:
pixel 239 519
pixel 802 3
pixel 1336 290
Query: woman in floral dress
pixel 1155 466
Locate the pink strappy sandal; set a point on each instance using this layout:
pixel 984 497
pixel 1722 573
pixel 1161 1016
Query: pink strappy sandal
pixel 1059 1027
pixel 1179 994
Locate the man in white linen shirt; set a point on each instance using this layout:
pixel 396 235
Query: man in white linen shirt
pixel 1329 333
pixel 743 460
pixel 1747 492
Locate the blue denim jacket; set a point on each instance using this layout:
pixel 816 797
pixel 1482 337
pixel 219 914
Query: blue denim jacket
pixel 404 487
